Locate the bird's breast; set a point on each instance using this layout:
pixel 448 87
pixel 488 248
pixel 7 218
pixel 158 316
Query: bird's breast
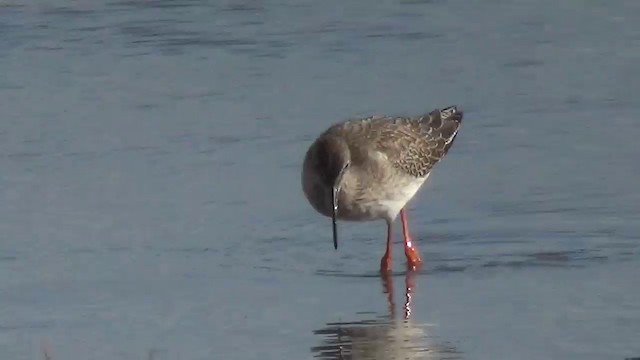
pixel 362 200
pixel 366 193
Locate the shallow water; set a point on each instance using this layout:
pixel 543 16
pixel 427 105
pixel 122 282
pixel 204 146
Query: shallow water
pixel 150 190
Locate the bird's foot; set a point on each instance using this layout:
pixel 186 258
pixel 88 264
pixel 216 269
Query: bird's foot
pixel 413 258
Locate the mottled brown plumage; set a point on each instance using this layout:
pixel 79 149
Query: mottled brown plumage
pixel 369 168
pixel 412 144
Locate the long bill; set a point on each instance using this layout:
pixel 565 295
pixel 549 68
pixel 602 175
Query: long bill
pixel 337 185
pixel 334 213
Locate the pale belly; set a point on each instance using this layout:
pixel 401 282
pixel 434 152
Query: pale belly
pixel 383 203
pixel 378 201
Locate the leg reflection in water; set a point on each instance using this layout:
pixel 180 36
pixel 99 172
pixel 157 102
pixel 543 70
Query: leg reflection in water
pixel 387 285
pixel 381 338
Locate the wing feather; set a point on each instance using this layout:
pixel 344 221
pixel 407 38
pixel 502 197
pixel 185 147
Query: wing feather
pixel 413 145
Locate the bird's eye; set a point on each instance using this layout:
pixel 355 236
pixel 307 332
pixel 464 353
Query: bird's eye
pixel 346 165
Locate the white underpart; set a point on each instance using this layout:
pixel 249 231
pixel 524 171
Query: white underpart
pixel 390 205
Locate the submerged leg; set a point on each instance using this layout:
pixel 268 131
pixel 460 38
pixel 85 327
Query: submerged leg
pixel 387 288
pixel 409 285
pixel 385 262
pixel 413 257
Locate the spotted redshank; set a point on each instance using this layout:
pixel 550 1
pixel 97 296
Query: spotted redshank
pixel 367 169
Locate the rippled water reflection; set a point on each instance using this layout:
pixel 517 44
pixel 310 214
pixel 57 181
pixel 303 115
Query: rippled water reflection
pixel 393 336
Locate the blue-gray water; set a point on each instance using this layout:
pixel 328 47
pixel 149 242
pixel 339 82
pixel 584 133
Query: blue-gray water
pixel 150 199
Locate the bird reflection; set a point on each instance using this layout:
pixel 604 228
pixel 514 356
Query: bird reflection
pixel 387 288
pixel 389 337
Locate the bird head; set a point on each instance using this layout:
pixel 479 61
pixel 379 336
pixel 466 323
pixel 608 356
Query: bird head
pixel 333 160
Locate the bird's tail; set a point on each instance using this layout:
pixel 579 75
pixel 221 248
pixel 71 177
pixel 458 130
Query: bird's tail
pixel 446 123
pixel 451 113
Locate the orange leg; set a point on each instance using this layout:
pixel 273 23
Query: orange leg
pixel 413 257
pixel 385 262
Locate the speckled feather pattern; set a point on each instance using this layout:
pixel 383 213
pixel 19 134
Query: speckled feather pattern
pixel 413 145
pixel 390 158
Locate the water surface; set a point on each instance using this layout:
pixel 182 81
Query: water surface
pixel 150 190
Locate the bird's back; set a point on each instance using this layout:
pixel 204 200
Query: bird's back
pixel 412 145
